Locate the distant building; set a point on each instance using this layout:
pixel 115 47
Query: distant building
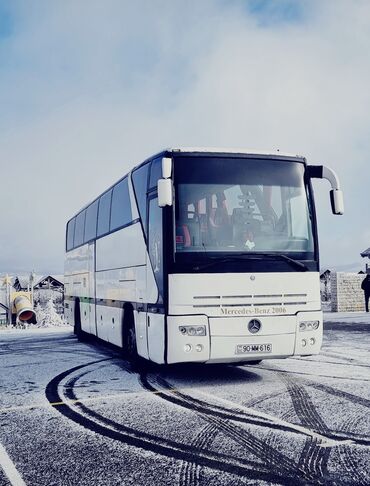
pixel 49 282
pixel 49 287
pixel 45 287
pixel 325 289
pixel 366 254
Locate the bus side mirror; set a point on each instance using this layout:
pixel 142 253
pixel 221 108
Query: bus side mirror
pixel 165 193
pixel 336 199
pixel 336 194
pixel 166 167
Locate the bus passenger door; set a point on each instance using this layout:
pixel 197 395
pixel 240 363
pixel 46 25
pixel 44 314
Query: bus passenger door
pixel 140 312
pixel 155 316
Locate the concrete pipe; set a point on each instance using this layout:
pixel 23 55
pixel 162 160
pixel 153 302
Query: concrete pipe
pixel 24 310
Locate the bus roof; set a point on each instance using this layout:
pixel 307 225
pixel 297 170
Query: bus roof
pixel 224 150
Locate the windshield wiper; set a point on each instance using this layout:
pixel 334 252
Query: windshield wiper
pixel 252 256
pixel 281 256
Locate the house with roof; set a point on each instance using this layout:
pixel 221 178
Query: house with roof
pixel 366 254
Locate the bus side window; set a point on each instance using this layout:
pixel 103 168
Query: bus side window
pixel 155 172
pixel 91 220
pixel 104 213
pixel 156 242
pixel 121 206
pixel 70 233
pixel 140 181
pixel 79 230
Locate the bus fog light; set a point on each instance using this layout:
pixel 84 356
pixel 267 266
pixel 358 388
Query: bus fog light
pixel 183 330
pixel 199 348
pixel 302 326
pixel 312 341
pixel 187 348
pixel 304 343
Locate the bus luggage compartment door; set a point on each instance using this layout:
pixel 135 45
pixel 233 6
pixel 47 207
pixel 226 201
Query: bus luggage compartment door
pixel 252 337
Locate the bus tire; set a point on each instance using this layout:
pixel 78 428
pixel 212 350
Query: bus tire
pixel 77 329
pixel 129 334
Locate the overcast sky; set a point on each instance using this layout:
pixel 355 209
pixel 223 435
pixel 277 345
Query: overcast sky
pixel 89 88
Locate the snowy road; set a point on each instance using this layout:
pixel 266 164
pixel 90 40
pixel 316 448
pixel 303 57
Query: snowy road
pixel 77 414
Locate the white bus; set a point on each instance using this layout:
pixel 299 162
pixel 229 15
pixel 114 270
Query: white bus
pixel 201 255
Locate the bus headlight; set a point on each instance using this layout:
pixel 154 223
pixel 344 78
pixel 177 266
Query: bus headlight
pixel 193 330
pixel 309 325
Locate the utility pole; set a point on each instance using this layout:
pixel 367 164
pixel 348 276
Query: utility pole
pixel 32 279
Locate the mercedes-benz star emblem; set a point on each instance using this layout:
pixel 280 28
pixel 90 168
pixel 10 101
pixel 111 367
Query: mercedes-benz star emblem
pixel 254 326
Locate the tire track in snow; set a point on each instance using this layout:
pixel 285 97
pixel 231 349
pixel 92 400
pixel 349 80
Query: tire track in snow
pixel 357 400
pixel 96 423
pixel 190 471
pixel 314 458
pixel 346 456
pixel 270 457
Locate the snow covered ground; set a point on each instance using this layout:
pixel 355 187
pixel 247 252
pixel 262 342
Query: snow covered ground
pixel 348 317
pixel 76 413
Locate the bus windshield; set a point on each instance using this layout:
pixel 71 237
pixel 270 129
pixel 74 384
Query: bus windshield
pixel 244 205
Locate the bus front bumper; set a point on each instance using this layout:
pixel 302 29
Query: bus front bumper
pixel 197 338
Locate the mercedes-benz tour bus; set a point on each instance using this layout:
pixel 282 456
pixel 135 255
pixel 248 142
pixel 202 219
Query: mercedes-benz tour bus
pixel 201 255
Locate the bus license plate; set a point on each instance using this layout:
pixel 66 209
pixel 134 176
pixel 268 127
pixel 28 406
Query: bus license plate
pixel 253 348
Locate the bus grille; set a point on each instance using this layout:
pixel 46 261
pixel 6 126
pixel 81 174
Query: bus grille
pixel 257 300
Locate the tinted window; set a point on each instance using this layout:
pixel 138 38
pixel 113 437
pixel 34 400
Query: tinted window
pixel 121 206
pixel 70 233
pixel 155 172
pixel 156 243
pixel 79 230
pixel 140 181
pixel 91 220
pixel 104 213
